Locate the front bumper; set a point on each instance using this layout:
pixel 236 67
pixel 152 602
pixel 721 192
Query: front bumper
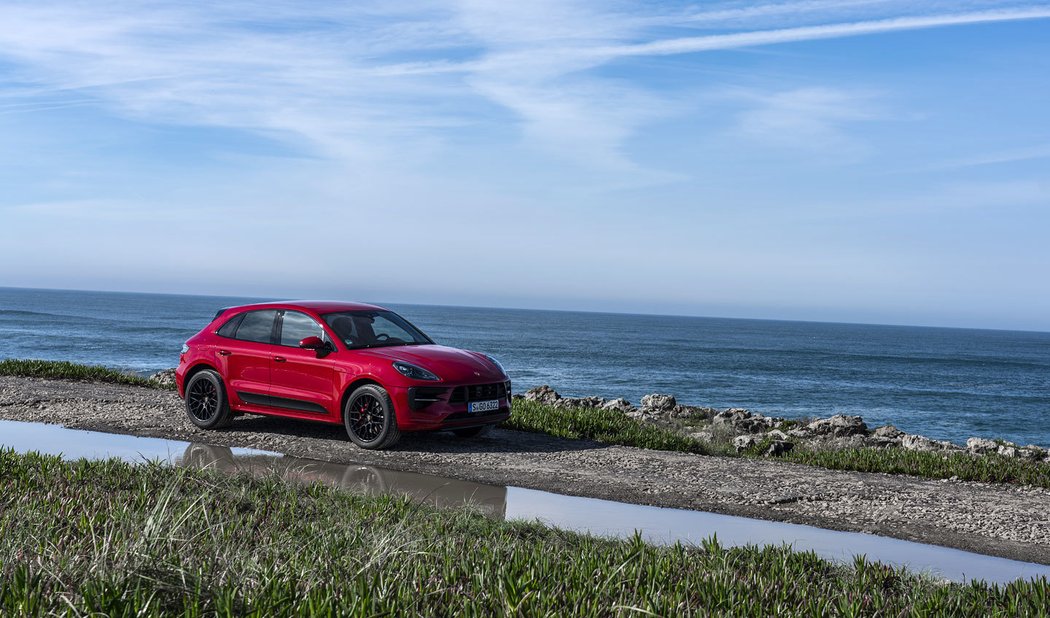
pixel 421 408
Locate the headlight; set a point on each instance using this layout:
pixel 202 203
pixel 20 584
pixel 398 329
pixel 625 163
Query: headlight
pixel 497 363
pixel 414 372
pixel 185 348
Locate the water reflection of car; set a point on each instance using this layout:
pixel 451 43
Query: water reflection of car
pixel 359 365
pixel 366 480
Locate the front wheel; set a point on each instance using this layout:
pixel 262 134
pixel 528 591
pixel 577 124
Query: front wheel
pixel 369 418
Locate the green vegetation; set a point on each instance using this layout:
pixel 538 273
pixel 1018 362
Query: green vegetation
pixel 111 538
pixel 71 371
pixel 985 468
pixel 613 427
pixel 609 426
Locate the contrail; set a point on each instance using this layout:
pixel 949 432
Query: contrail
pixel 807 33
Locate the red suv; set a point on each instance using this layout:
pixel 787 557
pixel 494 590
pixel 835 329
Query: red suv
pixel 360 365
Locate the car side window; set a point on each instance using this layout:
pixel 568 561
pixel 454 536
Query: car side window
pixel 257 326
pixel 230 327
pixel 296 326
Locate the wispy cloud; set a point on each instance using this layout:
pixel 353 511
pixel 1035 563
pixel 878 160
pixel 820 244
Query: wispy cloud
pixel 373 81
pixel 813 119
pixel 1013 155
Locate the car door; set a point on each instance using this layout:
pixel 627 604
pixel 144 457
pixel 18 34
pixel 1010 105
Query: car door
pixel 247 353
pixel 303 380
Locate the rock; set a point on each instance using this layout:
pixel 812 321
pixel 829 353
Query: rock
pixel 980 446
pixel 542 394
pixel 918 443
pixel 1007 450
pixel 659 403
pixel 743 420
pixel 618 404
pixel 580 402
pixel 887 432
pixel 165 377
pixel 742 443
pixel 1031 452
pixel 922 443
pixel 833 443
pixel 839 425
pixel 776 434
pixel 694 412
pixel 778 448
pixel 800 432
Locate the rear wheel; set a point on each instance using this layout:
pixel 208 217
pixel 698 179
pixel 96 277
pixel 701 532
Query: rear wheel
pixel 472 432
pixel 206 402
pixel 369 418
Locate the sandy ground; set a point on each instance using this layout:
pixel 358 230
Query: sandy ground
pixel 1007 521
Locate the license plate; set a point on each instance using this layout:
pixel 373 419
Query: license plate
pixel 483 406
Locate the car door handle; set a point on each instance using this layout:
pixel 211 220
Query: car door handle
pixel 278 359
pixel 224 352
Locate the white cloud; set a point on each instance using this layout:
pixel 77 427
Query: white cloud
pixel 813 119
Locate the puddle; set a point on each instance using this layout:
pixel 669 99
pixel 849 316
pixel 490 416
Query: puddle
pixel 442 492
pixel 600 517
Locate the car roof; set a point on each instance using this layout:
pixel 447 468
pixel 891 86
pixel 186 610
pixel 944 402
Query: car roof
pixel 317 306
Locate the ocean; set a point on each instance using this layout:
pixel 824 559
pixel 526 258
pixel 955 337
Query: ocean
pixel 946 383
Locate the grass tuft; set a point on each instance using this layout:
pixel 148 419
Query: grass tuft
pixel 608 426
pixel 64 370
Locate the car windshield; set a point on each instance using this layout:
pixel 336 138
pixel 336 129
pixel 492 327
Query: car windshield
pixel 374 329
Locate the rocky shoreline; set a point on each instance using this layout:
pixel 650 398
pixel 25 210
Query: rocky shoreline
pixel 772 436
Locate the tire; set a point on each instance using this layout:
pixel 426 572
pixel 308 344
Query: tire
pixel 369 418
pixel 472 432
pixel 205 456
pixel 206 402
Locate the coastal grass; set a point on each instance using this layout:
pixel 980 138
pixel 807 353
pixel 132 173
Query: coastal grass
pixel 64 370
pixel 608 426
pixel 117 539
pixel 612 427
pixel 989 468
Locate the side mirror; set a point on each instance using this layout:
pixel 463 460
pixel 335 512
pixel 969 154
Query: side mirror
pixel 312 343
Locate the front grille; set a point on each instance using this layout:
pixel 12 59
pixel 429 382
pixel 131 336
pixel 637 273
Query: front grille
pixel 478 392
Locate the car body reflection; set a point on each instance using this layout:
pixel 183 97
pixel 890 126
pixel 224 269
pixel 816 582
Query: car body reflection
pixel 491 500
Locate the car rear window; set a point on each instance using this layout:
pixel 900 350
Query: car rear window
pixel 256 326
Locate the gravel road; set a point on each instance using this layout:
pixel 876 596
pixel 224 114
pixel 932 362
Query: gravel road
pixel 1007 521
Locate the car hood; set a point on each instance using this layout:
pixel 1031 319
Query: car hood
pixel 450 364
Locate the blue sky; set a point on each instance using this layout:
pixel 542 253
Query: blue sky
pixel 873 161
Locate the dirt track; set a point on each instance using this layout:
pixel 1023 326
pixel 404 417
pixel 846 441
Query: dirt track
pixel 1012 522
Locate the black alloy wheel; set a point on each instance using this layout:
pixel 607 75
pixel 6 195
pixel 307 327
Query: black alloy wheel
pixel 369 418
pixel 206 403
